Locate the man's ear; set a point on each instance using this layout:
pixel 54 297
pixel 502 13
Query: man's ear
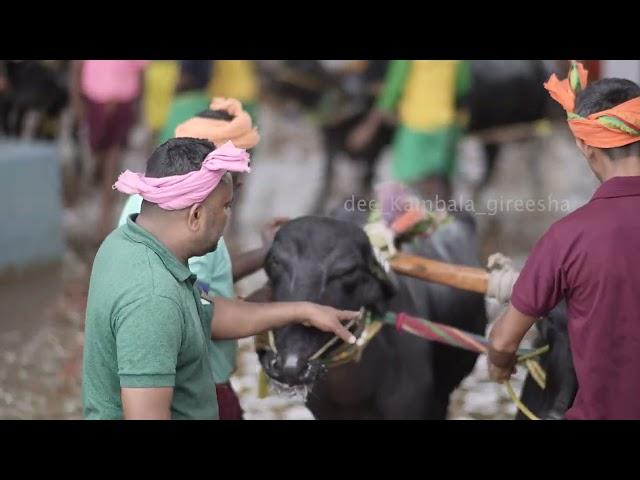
pixel 587 150
pixel 596 158
pixel 194 216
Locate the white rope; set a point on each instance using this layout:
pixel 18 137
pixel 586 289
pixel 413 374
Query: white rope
pixel 502 277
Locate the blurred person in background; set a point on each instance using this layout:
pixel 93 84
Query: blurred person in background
pixel 236 79
pixel 3 76
pixel 423 94
pixel 104 97
pixel 190 96
pixel 160 80
pixel 167 79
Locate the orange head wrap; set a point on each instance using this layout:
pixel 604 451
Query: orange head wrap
pixel 615 127
pixel 238 130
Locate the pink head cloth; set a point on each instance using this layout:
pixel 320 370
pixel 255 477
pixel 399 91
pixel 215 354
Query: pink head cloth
pixel 182 191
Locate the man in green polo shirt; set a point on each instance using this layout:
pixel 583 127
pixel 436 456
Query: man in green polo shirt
pixel 216 275
pixel 217 271
pixel 146 352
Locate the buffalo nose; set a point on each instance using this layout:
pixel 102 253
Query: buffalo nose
pixel 291 368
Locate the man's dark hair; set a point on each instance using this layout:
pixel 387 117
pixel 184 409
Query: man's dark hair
pixel 216 115
pixel 178 156
pixel 603 95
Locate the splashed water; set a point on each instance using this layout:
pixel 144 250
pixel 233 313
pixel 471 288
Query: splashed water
pixel 296 392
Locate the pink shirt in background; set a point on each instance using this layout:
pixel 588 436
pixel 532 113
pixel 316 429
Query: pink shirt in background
pixel 105 81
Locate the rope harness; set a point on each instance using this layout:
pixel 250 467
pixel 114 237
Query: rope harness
pixel 369 326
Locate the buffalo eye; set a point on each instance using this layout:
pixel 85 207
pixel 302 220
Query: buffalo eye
pixel 274 267
pixel 345 274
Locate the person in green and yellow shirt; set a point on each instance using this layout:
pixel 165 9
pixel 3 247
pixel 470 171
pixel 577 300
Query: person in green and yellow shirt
pixel 236 79
pixel 423 95
pixel 191 95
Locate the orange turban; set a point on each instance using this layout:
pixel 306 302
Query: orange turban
pixel 615 127
pixel 239 130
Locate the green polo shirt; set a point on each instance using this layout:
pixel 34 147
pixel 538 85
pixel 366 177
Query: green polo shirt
pixel 145 327
pixel 214 271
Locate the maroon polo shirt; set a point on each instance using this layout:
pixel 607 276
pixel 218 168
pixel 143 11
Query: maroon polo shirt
pixel 591 258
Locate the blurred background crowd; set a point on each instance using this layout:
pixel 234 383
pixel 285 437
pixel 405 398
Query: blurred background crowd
pixel 482 129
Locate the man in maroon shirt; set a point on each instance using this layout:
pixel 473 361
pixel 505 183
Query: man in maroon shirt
pixel 590 258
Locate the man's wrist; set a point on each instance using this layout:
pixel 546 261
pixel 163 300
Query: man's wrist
pixel 502 356
pixel 301 312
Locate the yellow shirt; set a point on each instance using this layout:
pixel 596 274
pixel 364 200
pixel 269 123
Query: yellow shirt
pixel 160 80
pixel 234 78
pixel 428 98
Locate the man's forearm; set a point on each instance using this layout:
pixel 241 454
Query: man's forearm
pixel 238 319
pixel 506 335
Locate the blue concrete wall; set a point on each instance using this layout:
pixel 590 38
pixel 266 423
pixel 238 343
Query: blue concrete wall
pixel 31 231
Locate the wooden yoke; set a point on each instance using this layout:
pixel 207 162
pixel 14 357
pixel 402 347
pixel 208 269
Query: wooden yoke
pixel 457 276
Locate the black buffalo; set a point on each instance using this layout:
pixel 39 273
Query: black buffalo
pixel 561 383
pixel 329 260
